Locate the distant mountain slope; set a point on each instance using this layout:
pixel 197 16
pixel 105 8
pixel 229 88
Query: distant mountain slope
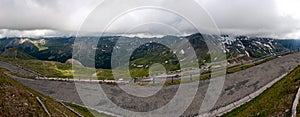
pixel 54 49
pixel 242 48
pixel 293 44
pixel 238 48
pixel 16 53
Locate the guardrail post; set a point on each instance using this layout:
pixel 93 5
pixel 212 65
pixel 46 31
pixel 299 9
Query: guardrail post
pixel 153 79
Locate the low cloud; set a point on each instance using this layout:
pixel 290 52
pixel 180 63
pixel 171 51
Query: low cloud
pixel 239 17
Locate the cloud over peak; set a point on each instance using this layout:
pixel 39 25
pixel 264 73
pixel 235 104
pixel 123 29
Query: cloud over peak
pixel 275 18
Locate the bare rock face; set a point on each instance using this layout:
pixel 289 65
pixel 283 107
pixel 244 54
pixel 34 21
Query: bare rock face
pixel 73 61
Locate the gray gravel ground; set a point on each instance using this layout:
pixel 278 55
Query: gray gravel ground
pixel 16 69
pixel 237 86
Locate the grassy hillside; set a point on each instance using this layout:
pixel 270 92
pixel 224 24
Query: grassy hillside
pixel 16 53
pixel 19 100
pixel 275 101
pixel 52 68
pixel 47 68
pixel 63 70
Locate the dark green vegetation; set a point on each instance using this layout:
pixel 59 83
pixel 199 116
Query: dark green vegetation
pixel 54 49
pixel 275 101
pixel 15 53
pixel 59 49
pixel 161 54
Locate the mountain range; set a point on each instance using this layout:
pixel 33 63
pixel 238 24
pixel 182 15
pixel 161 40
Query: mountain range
pixel 237 49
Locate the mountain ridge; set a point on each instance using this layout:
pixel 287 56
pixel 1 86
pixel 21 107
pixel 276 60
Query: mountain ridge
pixel 237 48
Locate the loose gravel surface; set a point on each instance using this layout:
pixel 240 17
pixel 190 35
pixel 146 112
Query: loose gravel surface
pixel 237 85
pixel 16 69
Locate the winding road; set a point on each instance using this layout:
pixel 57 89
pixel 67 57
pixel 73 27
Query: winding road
pixel 237 86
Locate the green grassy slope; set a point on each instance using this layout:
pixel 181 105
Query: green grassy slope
pixel 18 100
pixel 17 54
pixel 47 68
pixel 275 101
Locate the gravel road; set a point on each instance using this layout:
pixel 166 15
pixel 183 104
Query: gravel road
pixel 237 85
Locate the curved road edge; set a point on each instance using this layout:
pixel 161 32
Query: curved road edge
pixel 295 103
pixel 223 110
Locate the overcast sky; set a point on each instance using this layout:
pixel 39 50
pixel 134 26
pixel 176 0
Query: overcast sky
pixel 268 18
